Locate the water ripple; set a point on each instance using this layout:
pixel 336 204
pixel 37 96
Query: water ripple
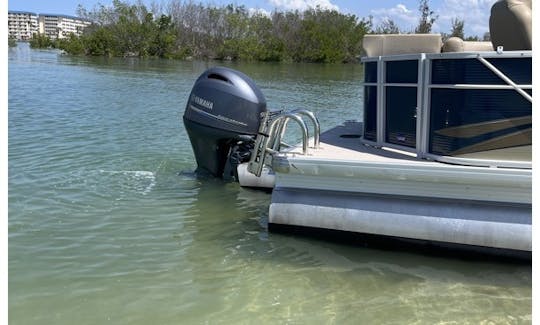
pixel 109 223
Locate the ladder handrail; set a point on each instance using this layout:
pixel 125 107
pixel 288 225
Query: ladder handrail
pixel 316 128
pixel 316 125
pixel 271 131
pixel 278 135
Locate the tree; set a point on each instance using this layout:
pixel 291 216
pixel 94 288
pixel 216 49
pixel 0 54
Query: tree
pixel 72 45
pixel 457 28
pixel 328 36
pixel 472 38
pixel 183 28
pixel 286 26
pixel 40 41
pixel 12 42
pixel 99 42
pixel 427 18
pixel 387 26
pixel 164 39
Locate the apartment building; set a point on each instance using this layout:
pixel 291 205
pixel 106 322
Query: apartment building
pixel 60 26
pixel 22 24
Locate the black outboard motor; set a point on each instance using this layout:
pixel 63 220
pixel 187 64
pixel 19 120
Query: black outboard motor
pixel 222 118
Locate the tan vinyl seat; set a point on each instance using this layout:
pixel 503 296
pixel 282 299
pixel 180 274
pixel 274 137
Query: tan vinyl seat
pixel 456 44
pixel 510 24
pixel 392 44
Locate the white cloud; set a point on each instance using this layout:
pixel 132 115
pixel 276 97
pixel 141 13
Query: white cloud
pixel 404 17
pixel 302 4
pixel 402 8
pixel 475 14
pixel 259 11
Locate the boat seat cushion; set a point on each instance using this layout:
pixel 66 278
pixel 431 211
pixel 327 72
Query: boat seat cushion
pixel 393 44
pixel 510 25
pixel 456 44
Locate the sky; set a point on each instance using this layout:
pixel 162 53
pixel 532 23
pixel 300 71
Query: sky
pixel 404 13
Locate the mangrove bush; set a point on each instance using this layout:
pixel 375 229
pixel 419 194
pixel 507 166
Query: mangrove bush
pixel 184 29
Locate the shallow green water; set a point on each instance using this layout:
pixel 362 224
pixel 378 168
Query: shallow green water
pixel 108 223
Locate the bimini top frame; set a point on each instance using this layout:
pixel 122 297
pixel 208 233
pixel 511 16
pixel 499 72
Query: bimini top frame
pixel 469 108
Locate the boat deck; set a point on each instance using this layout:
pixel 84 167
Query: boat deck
pixel 343 143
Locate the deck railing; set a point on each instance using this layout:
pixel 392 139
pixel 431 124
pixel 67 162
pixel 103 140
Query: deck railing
pixel 463 108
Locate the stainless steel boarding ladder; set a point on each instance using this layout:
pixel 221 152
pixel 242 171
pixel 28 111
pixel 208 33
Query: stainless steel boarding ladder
pixel 271 131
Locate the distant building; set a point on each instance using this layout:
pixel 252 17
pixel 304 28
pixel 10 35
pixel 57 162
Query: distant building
pixel 22 24
pixel 60 26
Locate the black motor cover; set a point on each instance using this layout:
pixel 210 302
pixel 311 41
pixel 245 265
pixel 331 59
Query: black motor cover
pixel 223 111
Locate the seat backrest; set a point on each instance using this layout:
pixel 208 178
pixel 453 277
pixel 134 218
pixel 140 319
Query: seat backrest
pixel 510 24
pixel 392 44
pixel 456 44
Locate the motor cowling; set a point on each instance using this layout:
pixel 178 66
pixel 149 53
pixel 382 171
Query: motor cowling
pixel 222 118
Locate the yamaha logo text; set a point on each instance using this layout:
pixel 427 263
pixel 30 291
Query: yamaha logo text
pixel 203 102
